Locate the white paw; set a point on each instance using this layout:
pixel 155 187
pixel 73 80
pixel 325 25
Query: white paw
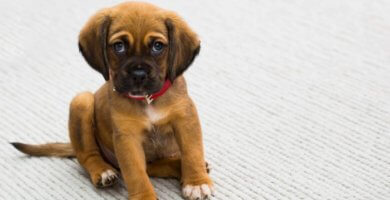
pixel 109 177
pixel 198 192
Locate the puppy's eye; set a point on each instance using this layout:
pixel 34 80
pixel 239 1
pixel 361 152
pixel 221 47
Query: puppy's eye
pixel 157 47
pixel 119 47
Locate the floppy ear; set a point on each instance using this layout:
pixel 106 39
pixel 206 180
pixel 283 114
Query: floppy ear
pixel 93 42
pixel 184 46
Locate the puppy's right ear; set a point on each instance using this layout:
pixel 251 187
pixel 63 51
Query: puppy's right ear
pixel 93 42
pixel 184 45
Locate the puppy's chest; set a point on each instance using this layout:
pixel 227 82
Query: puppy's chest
pixel 153 115
pixel 159 139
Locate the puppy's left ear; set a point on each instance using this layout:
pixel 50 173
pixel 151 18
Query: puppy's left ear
pixel 184 45
pixel 93 42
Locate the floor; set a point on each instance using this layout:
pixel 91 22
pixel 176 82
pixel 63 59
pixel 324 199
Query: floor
pixel 293 96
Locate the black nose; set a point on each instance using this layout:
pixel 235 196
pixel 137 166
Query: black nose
pixel 139 75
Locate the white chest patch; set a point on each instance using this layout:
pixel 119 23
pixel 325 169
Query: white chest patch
pixel 153 114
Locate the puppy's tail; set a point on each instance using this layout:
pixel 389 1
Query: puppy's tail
pixel 49 149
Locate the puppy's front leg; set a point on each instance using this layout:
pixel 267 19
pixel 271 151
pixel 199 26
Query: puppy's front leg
pixel 196 182
pixel 131 158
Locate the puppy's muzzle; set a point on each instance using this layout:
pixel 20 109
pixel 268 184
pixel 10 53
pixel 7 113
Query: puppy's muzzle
pixel 138 73
pixel 139 76
pixel 136 78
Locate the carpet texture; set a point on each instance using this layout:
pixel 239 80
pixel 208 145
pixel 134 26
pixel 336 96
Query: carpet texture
pixel 293 96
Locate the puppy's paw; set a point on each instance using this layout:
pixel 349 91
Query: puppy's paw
pixel 107 178
pixel 198 192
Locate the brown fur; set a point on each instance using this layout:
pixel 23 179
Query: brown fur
pixel 168 147
pixel 49 149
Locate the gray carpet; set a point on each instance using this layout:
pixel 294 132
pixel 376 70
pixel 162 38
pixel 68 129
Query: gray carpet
pixel 293 96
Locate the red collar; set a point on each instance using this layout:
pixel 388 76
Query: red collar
pixel 150 98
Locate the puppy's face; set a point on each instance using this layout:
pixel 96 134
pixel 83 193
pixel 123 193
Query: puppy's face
pixel 138 55
pixel 138 46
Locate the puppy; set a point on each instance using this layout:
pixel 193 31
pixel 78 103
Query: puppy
pixel 141 121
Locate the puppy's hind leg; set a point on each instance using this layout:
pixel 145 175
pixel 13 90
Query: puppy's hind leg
pixel 165 168
pixel 82 137
pixel 168 168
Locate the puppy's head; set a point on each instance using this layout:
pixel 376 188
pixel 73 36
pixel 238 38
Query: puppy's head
pixel 138 46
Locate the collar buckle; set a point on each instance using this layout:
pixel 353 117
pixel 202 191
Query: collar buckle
pixel 148 99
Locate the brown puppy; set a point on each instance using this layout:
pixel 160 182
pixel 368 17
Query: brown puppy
pixel 142 120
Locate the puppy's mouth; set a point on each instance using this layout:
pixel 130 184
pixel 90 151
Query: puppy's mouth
pixel 122 86
pixel 136 94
